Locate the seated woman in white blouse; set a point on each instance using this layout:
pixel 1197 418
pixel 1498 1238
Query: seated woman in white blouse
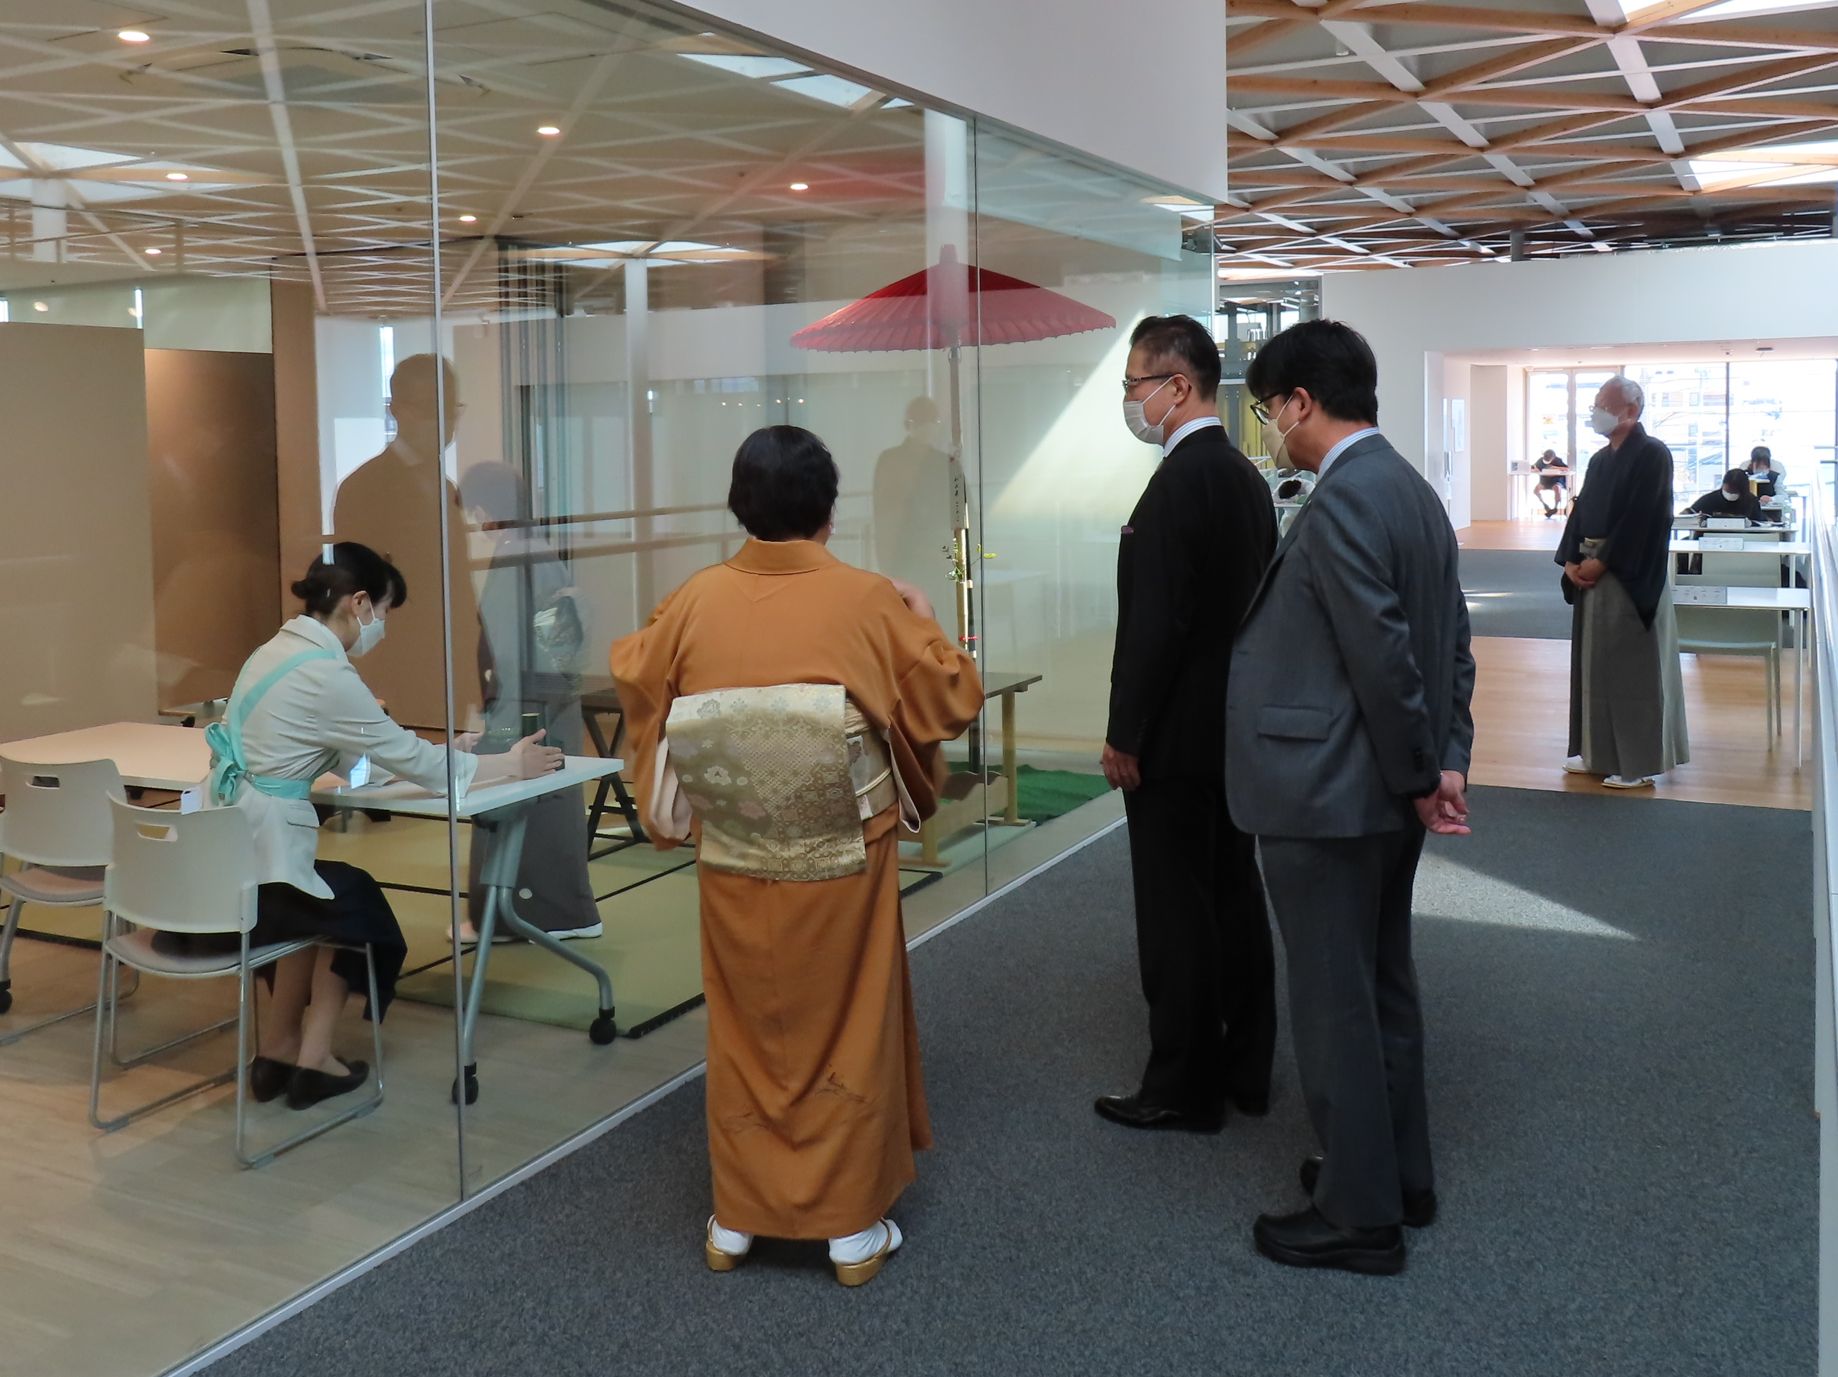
pixel 298 710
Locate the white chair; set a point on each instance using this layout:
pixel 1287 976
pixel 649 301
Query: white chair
pixel 1708 631
pixel 194 873
pixel 57 827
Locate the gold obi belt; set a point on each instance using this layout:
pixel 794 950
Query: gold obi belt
pixel 780 778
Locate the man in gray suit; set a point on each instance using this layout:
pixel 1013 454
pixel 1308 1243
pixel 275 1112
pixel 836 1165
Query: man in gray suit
pixel 1348 733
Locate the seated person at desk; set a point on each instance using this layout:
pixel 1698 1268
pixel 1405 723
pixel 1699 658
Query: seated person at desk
pixel 298 710
pixel 1763 469
pixel 1732 499
pixel 1552 488
pixel 795 709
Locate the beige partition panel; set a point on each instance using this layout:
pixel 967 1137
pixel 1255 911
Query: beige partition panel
pixel 76 556
pixel 216 540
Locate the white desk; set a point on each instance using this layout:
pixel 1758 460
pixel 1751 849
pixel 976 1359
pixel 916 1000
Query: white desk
pixel 499 814
pixel 148 755
pixel 1795 602
pixel 1740 543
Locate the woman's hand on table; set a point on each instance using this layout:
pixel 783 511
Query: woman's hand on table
pixel 530 759
pixel 467 742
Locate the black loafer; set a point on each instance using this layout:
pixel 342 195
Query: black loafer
pixel 268 1079
pixel 1419 1206
pixel 1132 1111
pixel 309 1087
pixel 1309 1240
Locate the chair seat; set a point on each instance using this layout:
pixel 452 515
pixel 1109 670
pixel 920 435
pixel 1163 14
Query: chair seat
pixel 55 884
pixel 136 949
pixel 1697 646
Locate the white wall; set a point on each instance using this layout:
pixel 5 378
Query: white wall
pixel 1490 432
pixel 1415 318
pixel 1159 68
pixel 76 600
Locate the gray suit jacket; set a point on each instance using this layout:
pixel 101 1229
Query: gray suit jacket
pixel 1351 677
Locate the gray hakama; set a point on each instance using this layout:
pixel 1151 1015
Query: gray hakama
pixel 1627 695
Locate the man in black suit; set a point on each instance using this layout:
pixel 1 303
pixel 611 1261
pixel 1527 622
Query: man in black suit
pixel 1190 559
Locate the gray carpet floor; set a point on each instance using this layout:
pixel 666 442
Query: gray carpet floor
pixel 1515 593
pixel 1620 1072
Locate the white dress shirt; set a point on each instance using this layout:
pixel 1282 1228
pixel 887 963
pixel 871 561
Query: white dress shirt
pixel 1327 460
pixel 319 717
pixel 1199 423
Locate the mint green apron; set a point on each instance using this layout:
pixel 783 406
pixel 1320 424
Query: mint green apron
pixel 229 767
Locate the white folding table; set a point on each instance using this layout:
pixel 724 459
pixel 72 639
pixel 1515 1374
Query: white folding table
pixel 149 755
pixel 499 814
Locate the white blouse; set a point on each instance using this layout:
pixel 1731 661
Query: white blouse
pixel 320 717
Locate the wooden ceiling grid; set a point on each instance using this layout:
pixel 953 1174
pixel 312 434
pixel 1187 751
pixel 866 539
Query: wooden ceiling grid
pixel 1369 134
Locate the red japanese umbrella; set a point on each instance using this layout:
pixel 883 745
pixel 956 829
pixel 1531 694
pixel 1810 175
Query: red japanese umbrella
pixel 947 306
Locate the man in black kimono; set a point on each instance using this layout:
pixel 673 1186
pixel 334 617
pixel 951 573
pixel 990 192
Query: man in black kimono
pixel 1627 697
pixel 1190 559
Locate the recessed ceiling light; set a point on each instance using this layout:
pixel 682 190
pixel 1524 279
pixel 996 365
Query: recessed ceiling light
pixel 134 36
pixel 41 306
pixel 549 131
pixel 800 186
pixel 178 176
pixel 468 219
pixel 153 253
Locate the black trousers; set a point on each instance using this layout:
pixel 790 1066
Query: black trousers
pixel 1203 939
pixel 1343 905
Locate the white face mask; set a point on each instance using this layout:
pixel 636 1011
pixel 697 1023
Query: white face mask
pixel 1733 496
pixel 1135 418
pixel 1603 421
pixel 1276 439
pixel 369 635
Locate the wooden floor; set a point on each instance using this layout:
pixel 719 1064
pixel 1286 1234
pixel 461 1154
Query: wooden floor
pixel 1522 721
pixel 1522 705
pixel 1536 534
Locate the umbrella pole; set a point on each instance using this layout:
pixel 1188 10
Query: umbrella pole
pixel 966 571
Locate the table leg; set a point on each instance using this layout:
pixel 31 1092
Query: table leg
pixel 1799 687
pixel 928 844
pixel 499 872
pixel 1012 816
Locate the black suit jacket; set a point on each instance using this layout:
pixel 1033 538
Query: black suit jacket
pixel 1190 560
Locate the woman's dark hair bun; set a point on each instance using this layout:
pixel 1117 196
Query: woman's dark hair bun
pixel 347 568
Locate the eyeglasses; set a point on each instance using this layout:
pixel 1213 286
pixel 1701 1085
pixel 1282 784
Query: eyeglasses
pixel 1261 409
pixel 1129 382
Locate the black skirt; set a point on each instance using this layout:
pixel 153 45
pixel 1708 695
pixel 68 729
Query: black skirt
pixel 356 914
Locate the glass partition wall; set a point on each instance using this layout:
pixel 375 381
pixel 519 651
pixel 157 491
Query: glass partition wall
pixel 510 339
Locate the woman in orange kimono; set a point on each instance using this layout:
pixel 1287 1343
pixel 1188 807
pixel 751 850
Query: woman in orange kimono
pixel 815 1099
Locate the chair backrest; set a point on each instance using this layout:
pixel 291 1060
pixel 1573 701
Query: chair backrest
pixel 182 872
pixel 1742 571
pixel 1711 629
pixel 58 814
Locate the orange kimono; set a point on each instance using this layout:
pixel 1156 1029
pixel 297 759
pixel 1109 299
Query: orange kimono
pixel 815 1098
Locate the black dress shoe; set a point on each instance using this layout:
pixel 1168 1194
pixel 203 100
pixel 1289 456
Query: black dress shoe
pixel 1419 1206
pixel 309 1087
pixel 1132 1111
pixel 268 1079
pixel 1309 1240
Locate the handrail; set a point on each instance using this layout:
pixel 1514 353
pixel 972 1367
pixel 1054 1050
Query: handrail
pixel 1824 650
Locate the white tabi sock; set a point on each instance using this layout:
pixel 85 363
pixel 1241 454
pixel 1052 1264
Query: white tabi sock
pixel 727 1240
pixel 860 1247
